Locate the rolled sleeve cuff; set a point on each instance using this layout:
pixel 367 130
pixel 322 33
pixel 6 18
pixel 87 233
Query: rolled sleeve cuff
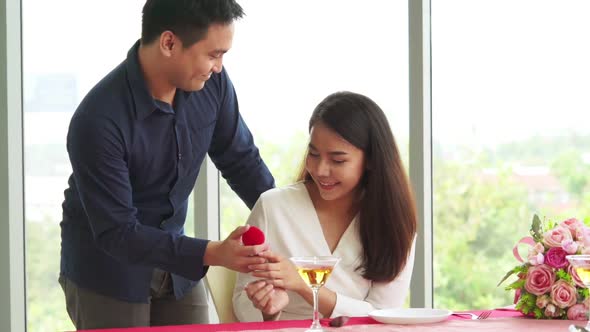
pixel 347 306
pixel 191 254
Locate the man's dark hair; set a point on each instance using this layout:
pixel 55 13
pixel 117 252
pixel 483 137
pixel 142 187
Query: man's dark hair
pixel 188 19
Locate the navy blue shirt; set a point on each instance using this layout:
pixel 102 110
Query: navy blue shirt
pixel 135 161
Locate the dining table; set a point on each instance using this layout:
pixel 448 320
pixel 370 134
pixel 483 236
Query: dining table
pixel 498 320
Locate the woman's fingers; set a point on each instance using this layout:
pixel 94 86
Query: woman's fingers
pixel 261 298
pixel 267 274
pixel 253 287
pixel 265 267
pixel 265 300
pixel 277 283
pixel 260 294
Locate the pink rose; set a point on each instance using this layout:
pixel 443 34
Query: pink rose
pixel 577 312
pixel 572 224
pixel 570 246
pixel 550 310
pixel 563 294
pixel 553 238
pixel 542 301
pixel 539 279
pixel 535 256
pixel 536 259
pixel 538 248
pixel 583 235
pixel 555 257
pixel 575 277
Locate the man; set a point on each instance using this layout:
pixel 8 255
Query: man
pixel 136 143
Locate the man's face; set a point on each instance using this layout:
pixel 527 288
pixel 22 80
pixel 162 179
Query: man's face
pixel 193 66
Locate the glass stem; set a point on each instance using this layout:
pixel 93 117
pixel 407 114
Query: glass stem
pixel 316 312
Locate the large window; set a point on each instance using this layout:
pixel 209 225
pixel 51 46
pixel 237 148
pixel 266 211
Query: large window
pixel 287 56
pixel 68 46
pixel 509 102
pixel 510 111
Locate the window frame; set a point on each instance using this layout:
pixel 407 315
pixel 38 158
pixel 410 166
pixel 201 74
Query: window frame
pixel 12 262
pixel 12 256
pixel 422 286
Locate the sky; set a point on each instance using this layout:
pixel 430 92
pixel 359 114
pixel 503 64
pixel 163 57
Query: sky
pixel 502 70
pixel 506 70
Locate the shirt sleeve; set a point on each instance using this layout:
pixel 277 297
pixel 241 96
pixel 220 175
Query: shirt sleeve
pixel 98 157
pixel 233 150
pixel 381 294
pixel 243 307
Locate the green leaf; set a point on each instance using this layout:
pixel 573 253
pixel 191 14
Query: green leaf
pixel 508 274
pixel 518 269
pixel 524 268
pixel 562 274
pixel 516 285
pixel 536 229
pixel 538 313
pixel 527 303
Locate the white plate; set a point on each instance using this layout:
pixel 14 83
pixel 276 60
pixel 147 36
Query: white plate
pixel 410 316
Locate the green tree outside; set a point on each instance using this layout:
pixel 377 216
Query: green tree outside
pixel 478 219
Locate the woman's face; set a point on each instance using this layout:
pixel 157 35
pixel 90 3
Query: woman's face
pixel 335 165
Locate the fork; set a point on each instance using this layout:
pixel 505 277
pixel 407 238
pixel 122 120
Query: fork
pixel 483 315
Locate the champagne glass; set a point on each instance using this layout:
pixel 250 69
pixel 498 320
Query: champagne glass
pixel 581 264
pixel 315 270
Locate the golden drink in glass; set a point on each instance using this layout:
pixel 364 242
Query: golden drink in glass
pixel 315 277
pixel 581 264
pixel 584 274
pixel 315 270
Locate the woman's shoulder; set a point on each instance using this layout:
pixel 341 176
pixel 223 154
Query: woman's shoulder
pixel 289 193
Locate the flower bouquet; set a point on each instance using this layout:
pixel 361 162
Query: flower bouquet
pixel 547 286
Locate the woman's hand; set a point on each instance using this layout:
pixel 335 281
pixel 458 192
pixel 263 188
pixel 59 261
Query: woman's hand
pixel 279 272
pixel 266 298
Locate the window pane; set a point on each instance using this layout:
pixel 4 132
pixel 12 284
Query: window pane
pixel 511 139
pixel 287 56
pixel 64 55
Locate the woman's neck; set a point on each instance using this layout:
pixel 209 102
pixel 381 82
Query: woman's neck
pixel 346 207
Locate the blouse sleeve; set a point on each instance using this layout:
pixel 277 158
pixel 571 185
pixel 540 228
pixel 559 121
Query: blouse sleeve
pixel 381 295
pixel 243 307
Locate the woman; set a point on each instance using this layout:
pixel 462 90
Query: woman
pixel 353 201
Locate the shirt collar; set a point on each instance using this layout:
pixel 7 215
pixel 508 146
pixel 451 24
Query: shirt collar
pixel 143 100
pixel 145 104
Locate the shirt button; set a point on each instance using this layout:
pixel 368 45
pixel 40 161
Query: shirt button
pixel 179 156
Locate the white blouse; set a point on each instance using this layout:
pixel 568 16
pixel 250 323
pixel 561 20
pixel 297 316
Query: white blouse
pixel 292 228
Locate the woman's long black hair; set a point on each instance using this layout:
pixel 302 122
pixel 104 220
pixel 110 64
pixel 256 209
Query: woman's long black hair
pixel 388 220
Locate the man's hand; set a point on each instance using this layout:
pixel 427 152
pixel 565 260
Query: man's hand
pixel 279 272
pixel 231 254
pixel 269 300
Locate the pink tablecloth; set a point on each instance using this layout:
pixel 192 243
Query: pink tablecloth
pixel 499 320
